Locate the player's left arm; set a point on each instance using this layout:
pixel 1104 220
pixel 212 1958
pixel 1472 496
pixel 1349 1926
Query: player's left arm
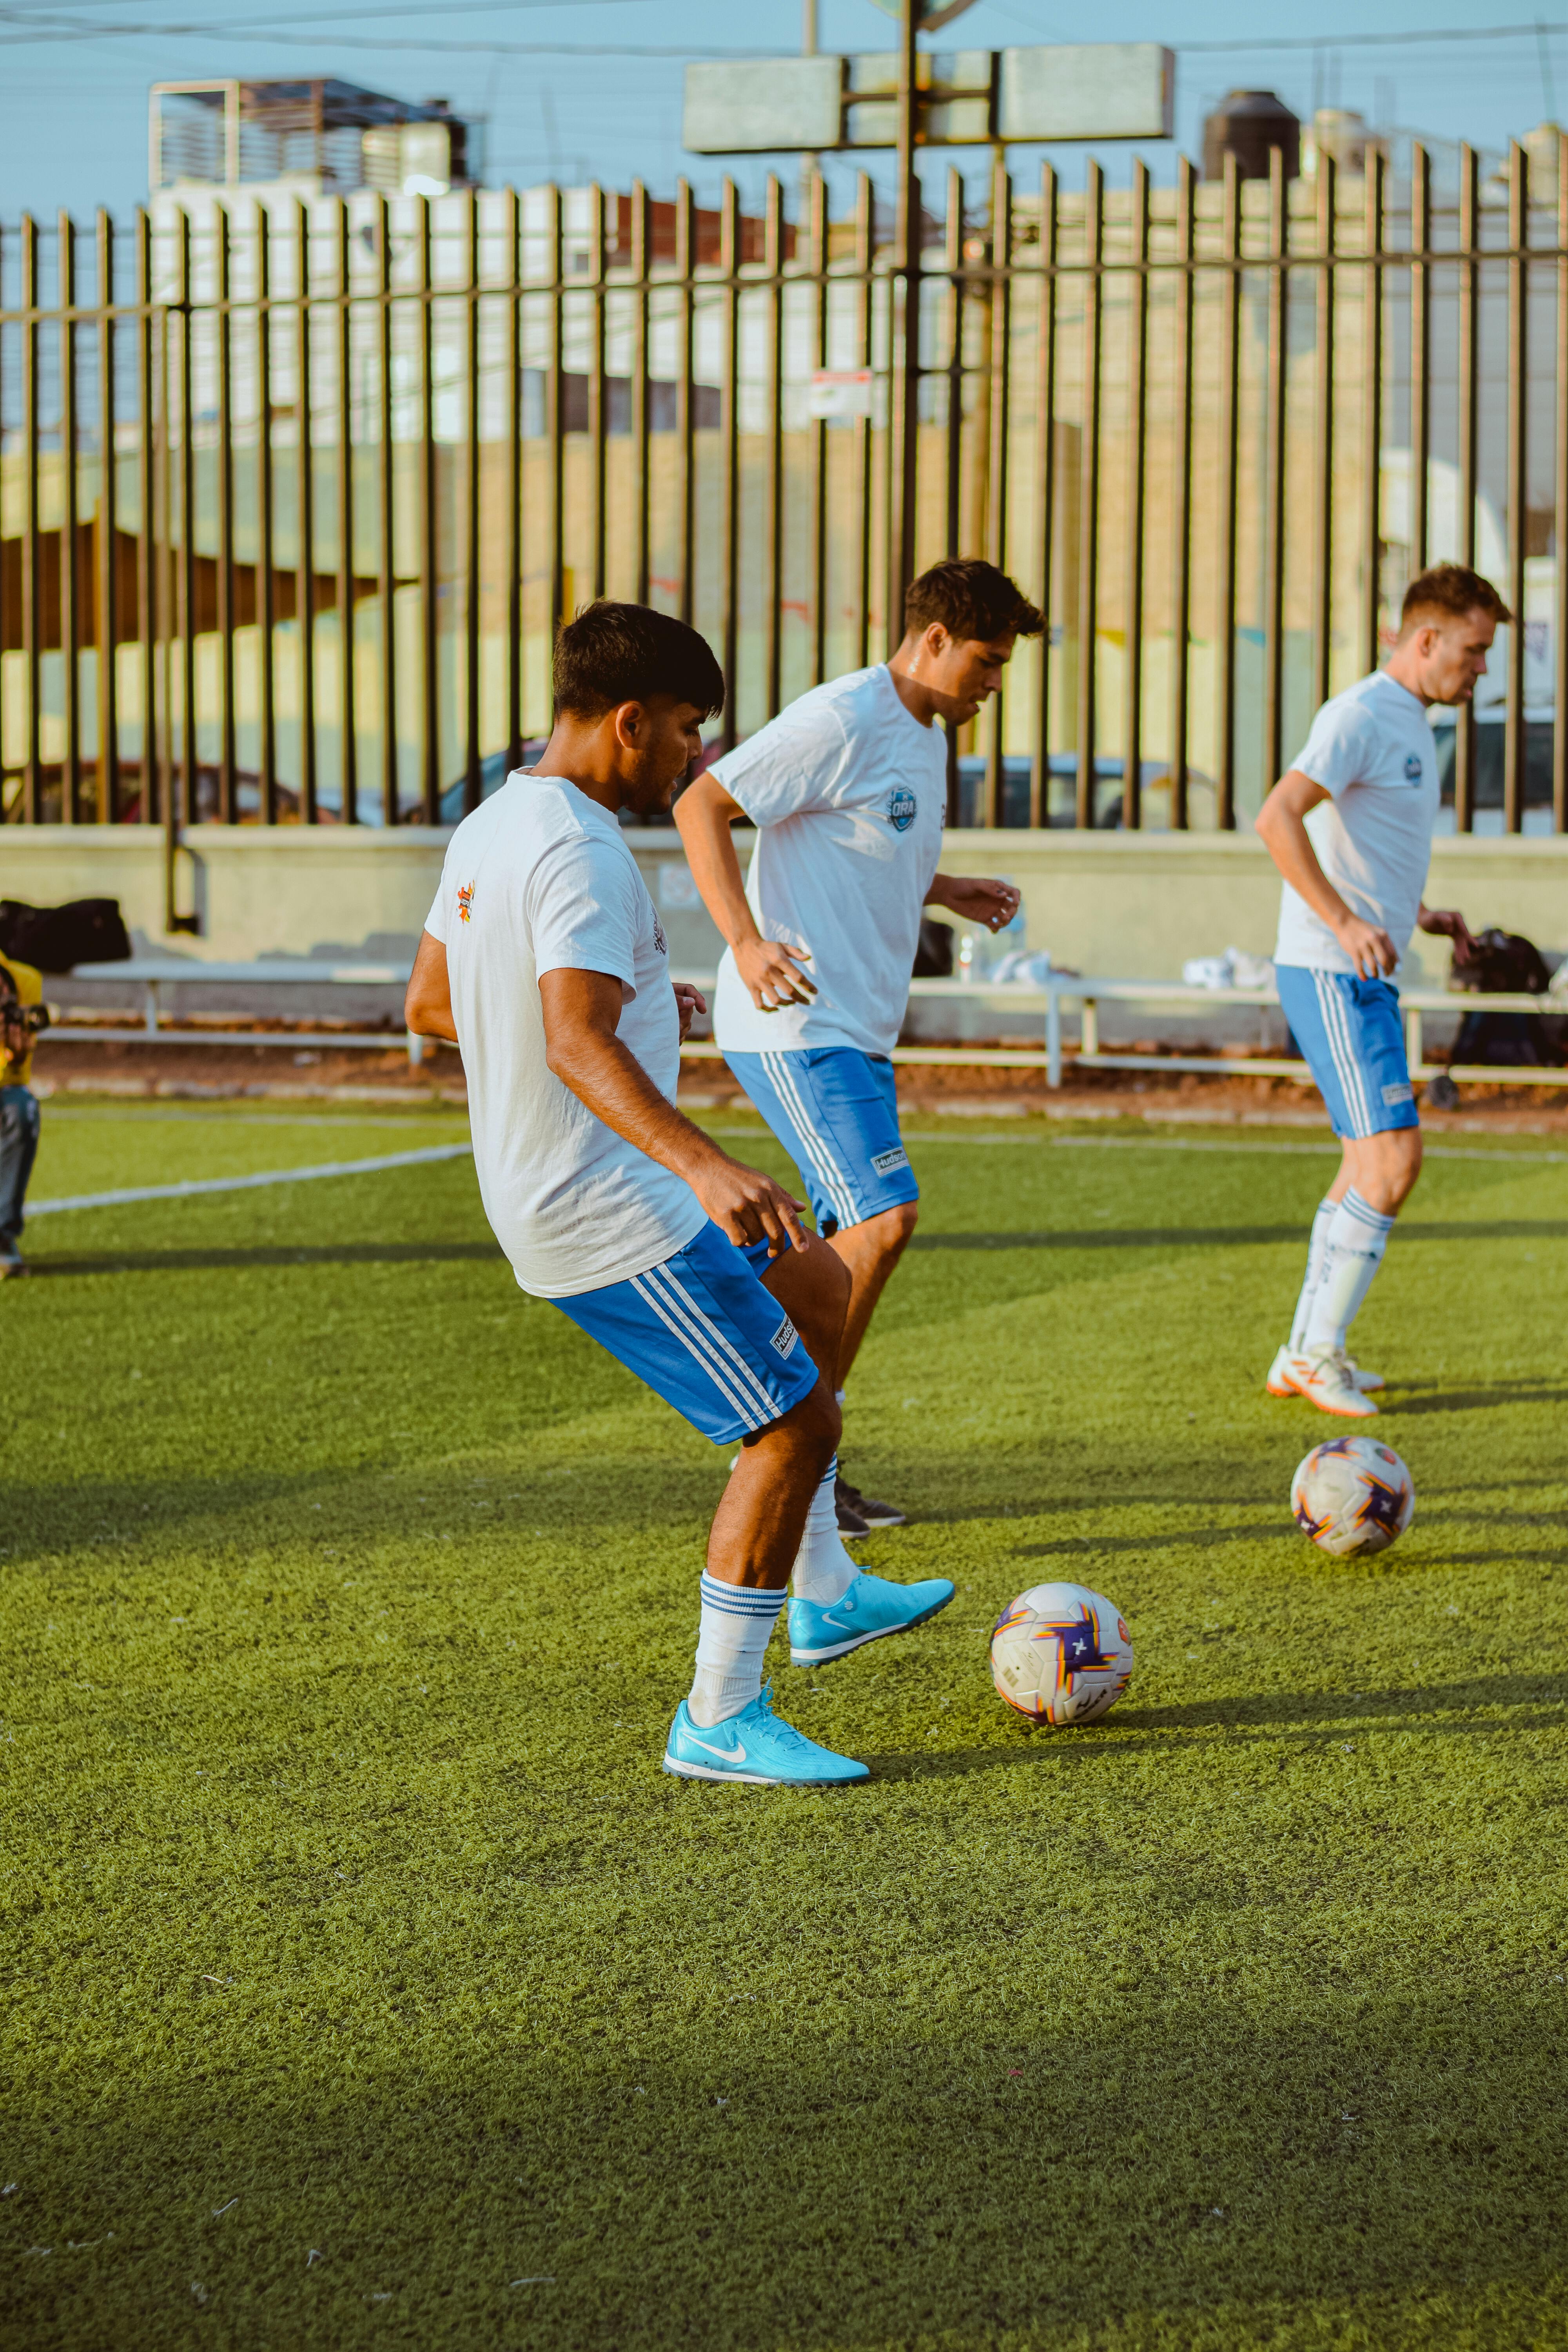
pixel 974 899
pixel 1447 923
pixel 427 1006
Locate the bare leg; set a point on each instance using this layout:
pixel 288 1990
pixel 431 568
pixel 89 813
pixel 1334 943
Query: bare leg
pixel 1383 1169
pixel 870 1250
pixel 760 1517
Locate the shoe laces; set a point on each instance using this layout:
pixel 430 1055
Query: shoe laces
pixel 775 1722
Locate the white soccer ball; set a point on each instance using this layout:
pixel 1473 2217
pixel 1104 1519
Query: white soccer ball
pixel 1061 1653
pixel 1352 1495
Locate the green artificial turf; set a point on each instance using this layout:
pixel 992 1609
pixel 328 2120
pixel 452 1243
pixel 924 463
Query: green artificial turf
pixel 367 1983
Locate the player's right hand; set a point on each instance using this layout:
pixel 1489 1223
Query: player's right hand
pixel 772 972
pixel 1368 946
pixel 749 1207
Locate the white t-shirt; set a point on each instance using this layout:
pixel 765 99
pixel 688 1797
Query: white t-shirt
pixel 1372 750
pixel 539 879
pixel 848 794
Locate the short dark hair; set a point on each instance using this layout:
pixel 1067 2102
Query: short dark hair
pixel 970 599
pixel 1451 590
pixel 615 652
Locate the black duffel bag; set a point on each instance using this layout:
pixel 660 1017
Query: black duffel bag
pixel 1505 963
pixel 56 938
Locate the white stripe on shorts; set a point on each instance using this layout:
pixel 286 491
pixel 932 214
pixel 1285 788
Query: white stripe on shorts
pixel 737 1372
pixel 1341 1050
pixel 836 1183
pixel 740 1405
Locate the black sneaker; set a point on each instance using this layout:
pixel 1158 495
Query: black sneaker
pixel 12 1265
pixel 857 1514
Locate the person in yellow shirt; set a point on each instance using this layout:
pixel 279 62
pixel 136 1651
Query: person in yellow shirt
pixel 21 990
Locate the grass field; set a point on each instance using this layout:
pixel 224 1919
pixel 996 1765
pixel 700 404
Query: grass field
pixel 366 1983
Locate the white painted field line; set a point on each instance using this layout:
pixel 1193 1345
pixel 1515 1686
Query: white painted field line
pixel 196 1185
pixel 1174 1143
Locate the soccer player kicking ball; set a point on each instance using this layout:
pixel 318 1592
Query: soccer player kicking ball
pixel 1350 828
pixel 848 789
pixel 542 957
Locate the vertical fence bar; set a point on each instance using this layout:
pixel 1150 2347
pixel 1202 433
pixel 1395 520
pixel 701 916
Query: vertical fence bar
pixel 165 593
pixel 1137 436
pixel 1323 438
pixel 70 612
pixel 555 419
pixel 730 482
pixel 106 615
pixel 773 506
pixel 511 529
pixel 1274 469
pixel 1372 231
pixel 228 810
pixel 904 377
pixel 997 427
pixel 146 535
pixel 348 714
pixel 641 258
pixel 686 270
pixel 816 453
pixel 1420 353
pixel 1559 519
pixel 472 547
pixel 1230 463
pixel 305 513
pixel 864 232
pixel 184 812
pixel 1513 757
pixel 952 503
pixel 1469 359
pixel 1089 490
pixel 32 649
pixel 954 265
pixel 429 643
pixel 1046 493
pixel 1181 495
pixel 597 417
pixel 266 599
pixel 386 529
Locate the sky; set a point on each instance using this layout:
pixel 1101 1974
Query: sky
pixel 578 89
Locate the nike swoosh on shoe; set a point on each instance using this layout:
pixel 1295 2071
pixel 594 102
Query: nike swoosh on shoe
pixel 736 1755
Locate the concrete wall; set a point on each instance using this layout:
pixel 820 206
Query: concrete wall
pixel 1116 904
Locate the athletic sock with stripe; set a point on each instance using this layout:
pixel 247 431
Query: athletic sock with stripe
pixel 737 1620
pixel 822 1570
pixel 1352 1252
pixel 1322 1219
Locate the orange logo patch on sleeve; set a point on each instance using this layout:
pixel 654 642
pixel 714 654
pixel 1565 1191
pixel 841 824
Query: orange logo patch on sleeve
pixel 464 901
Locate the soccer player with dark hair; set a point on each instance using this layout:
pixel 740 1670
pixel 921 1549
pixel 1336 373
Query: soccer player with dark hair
pixel 848 789
pixel 1349 827
pixel 543 960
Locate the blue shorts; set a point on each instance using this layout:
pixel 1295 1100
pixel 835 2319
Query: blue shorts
pixel 705 1333
pixel 835 1111
pixel 1349 1029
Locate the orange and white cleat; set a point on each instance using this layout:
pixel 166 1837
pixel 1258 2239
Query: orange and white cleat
pixel 1327 1379
pixel 1279 1383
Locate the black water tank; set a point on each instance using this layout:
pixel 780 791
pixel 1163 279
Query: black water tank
pixel 1248 123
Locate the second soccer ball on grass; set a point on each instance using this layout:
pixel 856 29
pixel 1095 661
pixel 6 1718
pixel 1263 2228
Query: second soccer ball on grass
pixel 1352 1495
pixel 1061 1653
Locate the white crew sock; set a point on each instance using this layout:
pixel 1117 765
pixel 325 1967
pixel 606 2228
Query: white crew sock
pixel 1352 1252
pixel 822 1570
pixel 737 1620
pixel 1322 1218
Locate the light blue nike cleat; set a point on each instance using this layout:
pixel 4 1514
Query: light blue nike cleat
pixel 819 1631
pixel 755 1748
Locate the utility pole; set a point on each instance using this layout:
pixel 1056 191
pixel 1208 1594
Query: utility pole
pixel 809 165
pixel 905 421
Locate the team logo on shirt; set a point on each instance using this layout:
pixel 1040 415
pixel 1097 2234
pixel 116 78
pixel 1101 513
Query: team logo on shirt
pixel 659 936
pixel 465 902
pixel 1413 767
pixel 902 808
pixel 784 1337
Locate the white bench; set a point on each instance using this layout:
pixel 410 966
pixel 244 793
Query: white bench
pixel 152 974
pixel 1088 994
